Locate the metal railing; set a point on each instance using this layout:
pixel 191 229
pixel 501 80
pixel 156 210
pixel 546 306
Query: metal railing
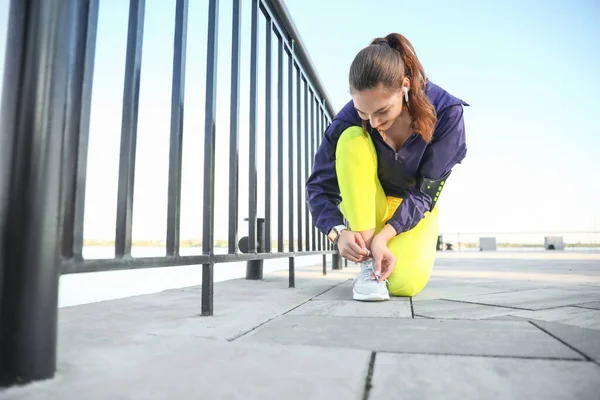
pixel 521 241
pixel 45 126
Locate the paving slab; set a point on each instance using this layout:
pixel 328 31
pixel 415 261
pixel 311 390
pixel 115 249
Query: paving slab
pixel 416 376
pixel 340 292
pixel 450 290
pixel 434 290
pixel 576 316
pixel 239 306
pixel 457 310
pixel 351 308
pixel 492 338
pixel 193 368
pixel 586 341
pixel 534 299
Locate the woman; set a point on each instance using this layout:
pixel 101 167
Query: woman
pixel 382 164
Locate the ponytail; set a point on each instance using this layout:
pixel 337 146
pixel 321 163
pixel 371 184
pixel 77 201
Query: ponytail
pixel 388 61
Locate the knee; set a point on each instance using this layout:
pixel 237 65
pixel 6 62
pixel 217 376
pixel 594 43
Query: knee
pixel 352 140
pixel 409 290
pixel 407 285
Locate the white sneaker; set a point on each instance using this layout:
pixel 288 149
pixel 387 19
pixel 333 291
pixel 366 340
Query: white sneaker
pixel 366 287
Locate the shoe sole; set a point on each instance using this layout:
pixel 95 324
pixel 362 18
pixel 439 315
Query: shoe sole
pixel 370 297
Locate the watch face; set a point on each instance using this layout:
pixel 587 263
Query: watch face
pixel 332 235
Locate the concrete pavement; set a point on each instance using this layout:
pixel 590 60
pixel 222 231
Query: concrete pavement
pixel 490 325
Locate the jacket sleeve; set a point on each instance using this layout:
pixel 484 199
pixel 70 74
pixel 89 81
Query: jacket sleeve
pixel 447 149
pixel 322 189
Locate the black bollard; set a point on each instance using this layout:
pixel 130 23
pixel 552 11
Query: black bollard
pixel 254 268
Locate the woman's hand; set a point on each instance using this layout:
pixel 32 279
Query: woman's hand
pixel 352 246
pixel 385 261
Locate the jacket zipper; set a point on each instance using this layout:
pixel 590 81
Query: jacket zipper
pixel 390 147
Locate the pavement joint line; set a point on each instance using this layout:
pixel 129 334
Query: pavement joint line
pixel 282 314
pixel 586 308
pixel 348 316
pixel 412 309
pixel 487 356
pixel 565 306
pixel 587 358
pixel 369 378
pixel 488 304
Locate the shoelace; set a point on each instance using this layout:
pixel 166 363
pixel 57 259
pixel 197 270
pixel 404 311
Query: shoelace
pixel 367 272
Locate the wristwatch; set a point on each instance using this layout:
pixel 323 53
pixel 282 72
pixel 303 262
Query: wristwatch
pixel 334 233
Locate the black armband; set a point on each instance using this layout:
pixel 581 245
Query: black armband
pixel 433 188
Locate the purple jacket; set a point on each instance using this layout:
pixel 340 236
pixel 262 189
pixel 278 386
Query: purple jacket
pixel 400 173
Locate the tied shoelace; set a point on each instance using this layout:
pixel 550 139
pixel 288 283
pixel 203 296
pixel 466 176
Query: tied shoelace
pixel 368 272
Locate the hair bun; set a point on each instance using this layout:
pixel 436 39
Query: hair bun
pixel 394 42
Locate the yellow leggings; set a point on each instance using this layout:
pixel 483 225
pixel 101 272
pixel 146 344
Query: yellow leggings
pixel 366 206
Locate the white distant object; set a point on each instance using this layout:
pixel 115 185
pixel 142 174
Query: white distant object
pixel 554 243
pixel 487 243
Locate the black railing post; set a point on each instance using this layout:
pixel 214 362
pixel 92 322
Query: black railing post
pixel 210 126
pixel 252 137
pixel 129 124
pixel 336 259
pixel 268 133
pixel 76 143
pixel 176 134
pixel 234 126
pixel 44 59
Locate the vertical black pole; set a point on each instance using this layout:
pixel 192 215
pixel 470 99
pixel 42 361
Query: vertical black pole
pixel 176 146
pixel 317 136
pixel 299 154
pixel 326 243
pixel 131 95
pixel 44 59
pixel 252 175
pixel 280 137
pixel 254 268
pixel 313 150
pixel 234 127
pixel 307 165
pixel 209 157
pixel 290 161
pixel 76 143
pixel 268 144
pixel 336 259
pixel 292 272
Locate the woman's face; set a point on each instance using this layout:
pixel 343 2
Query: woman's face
pixel 378 106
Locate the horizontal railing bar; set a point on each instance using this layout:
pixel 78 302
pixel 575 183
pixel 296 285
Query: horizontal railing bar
pixel 104 265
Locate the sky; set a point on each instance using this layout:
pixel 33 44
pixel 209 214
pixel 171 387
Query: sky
pixel 528 69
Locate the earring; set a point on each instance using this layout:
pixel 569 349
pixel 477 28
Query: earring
pixel 405 93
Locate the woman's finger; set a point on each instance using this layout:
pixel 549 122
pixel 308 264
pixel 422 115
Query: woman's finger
pixel 389 263
pixel 350 255
pixel 355 257
pixel 359 251
pixel 359 240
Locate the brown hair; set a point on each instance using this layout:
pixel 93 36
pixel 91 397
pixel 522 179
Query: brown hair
pixel 388 61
